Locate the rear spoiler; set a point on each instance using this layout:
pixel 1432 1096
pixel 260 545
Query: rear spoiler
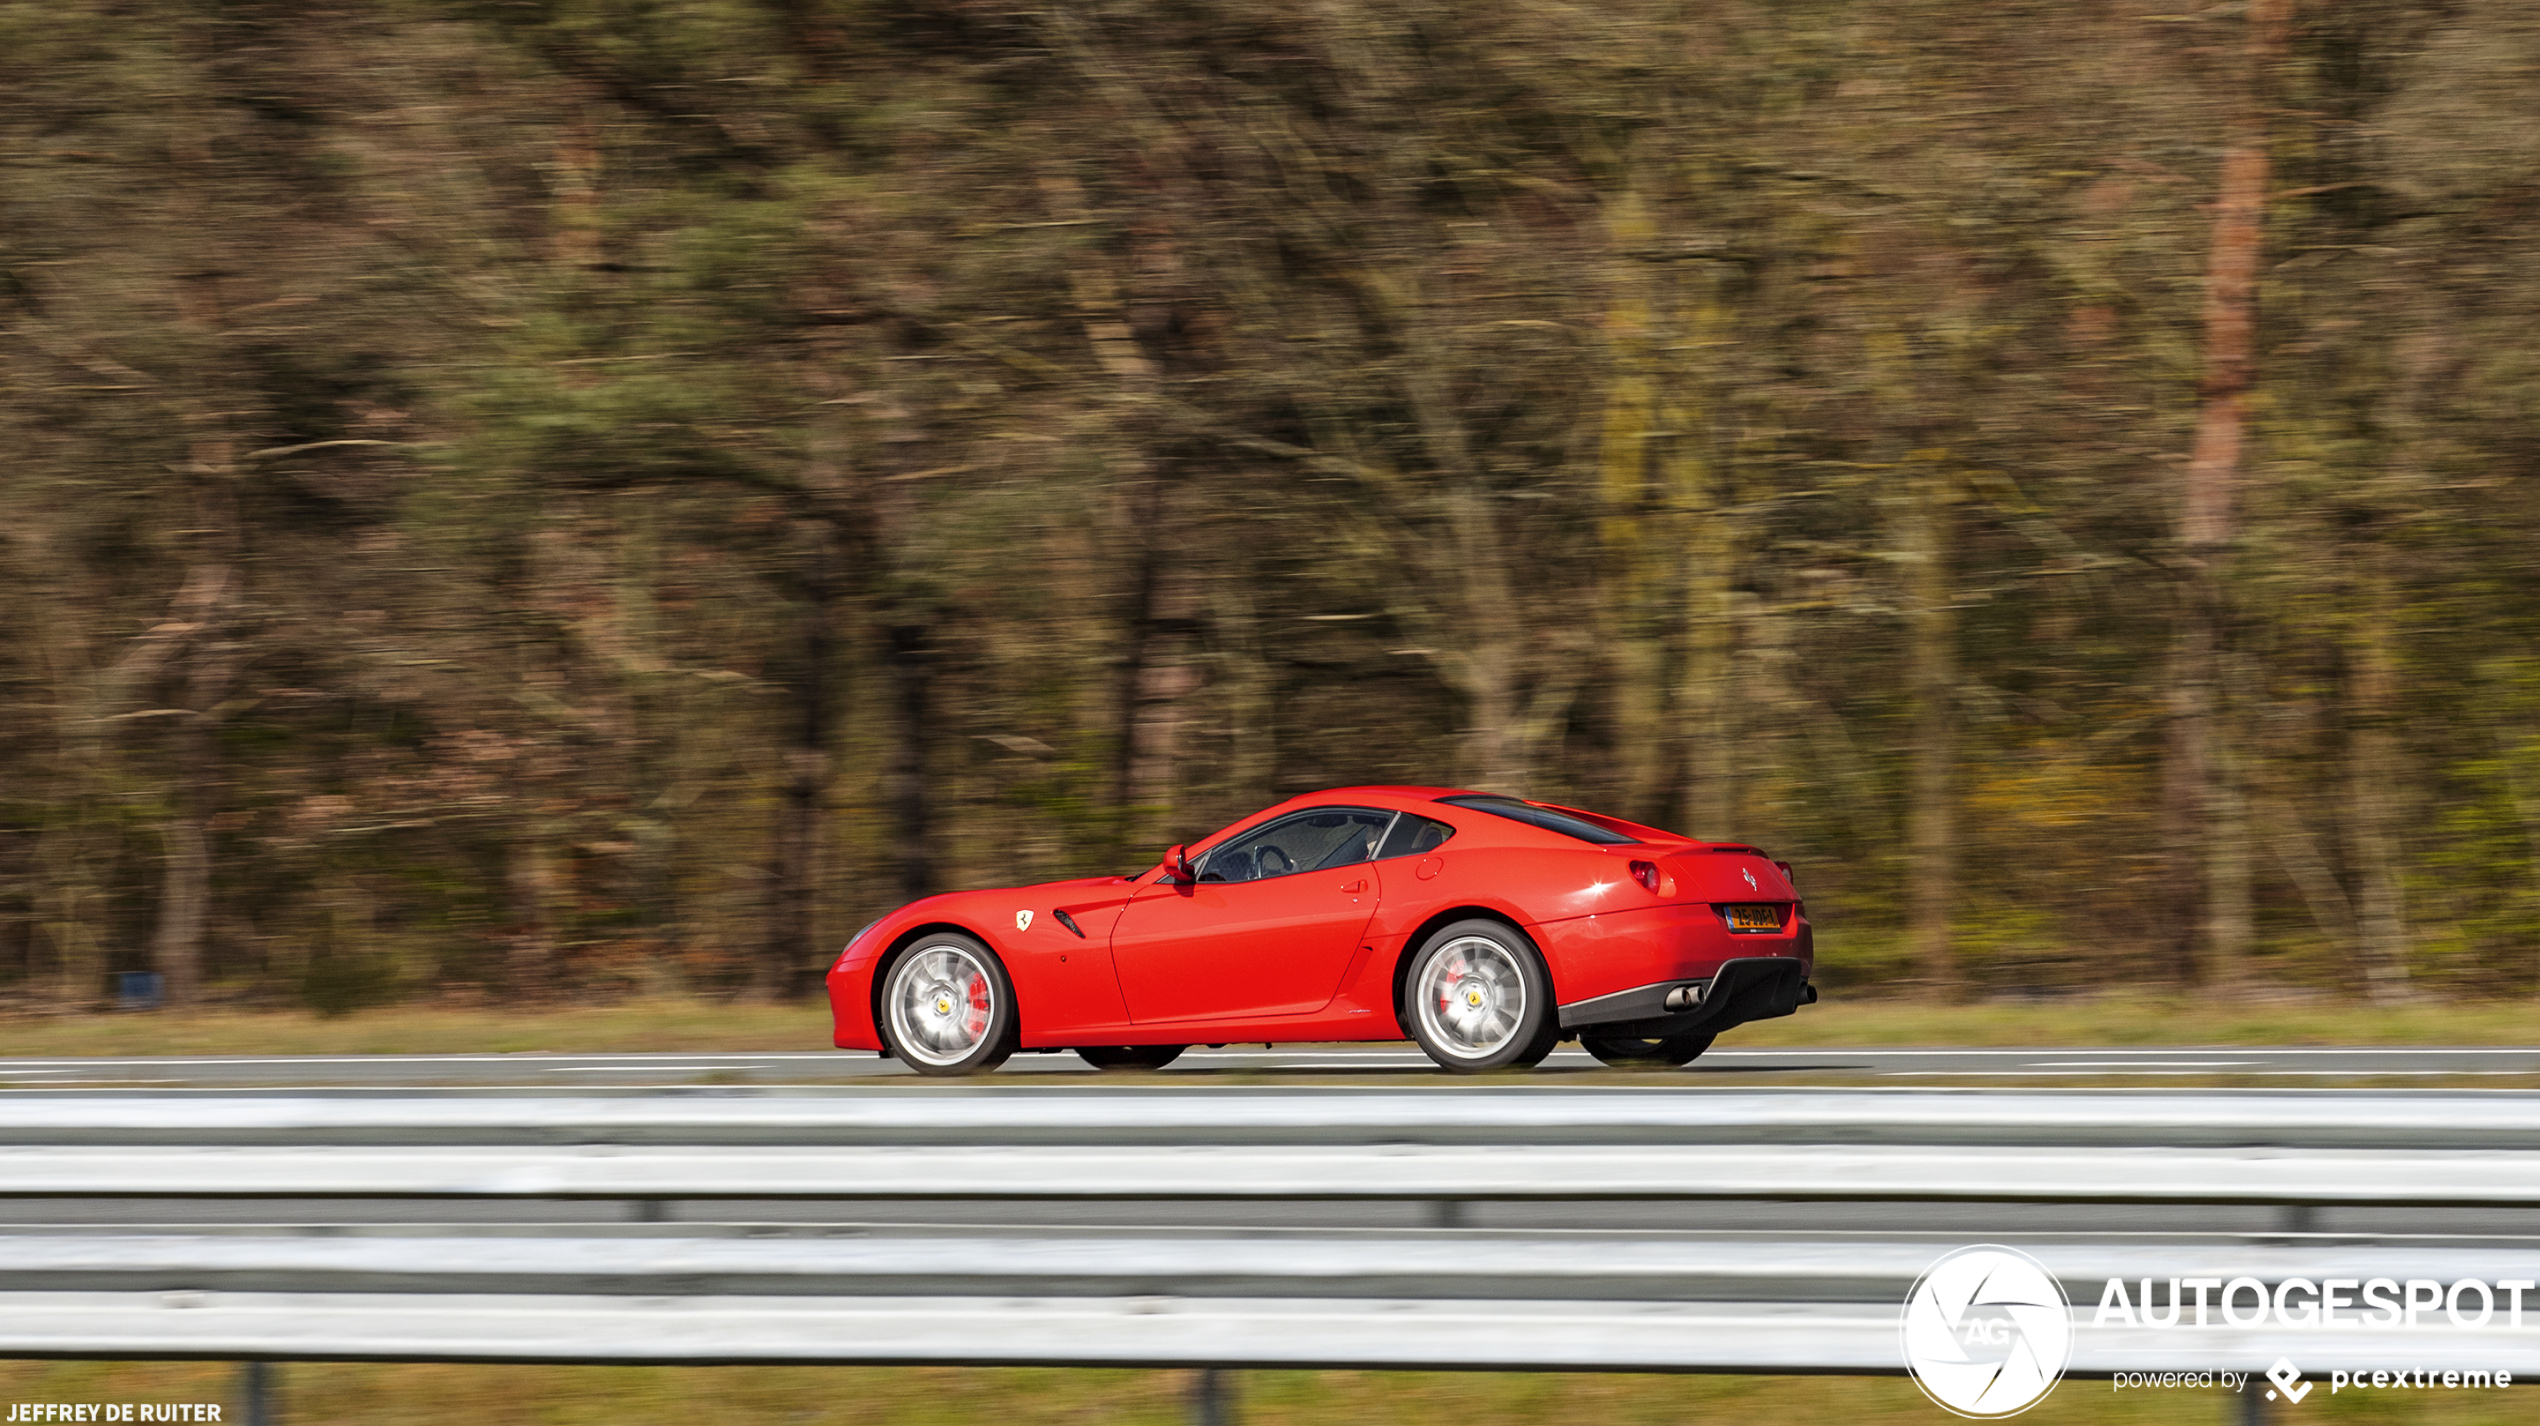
pixel 1787 874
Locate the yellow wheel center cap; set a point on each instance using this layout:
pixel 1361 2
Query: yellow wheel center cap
pixel 942 1006
pixel 1473 998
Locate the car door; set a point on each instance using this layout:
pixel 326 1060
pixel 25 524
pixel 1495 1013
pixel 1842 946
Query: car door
pixel 1268 928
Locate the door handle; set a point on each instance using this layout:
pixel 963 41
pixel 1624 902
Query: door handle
pixel 1358 885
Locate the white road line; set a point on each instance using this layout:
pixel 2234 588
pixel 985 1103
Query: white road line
pixel 2142 1064
pixel 506 1058
pixel 2271 1051
pixel 753 1059
pixel 636 1069
pixel 902 1084
pixel 2307 1073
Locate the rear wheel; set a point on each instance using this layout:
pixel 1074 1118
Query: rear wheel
pixel 949 1006
pixel 1625 1051
pixel 1130 1057
pixel 1481 1000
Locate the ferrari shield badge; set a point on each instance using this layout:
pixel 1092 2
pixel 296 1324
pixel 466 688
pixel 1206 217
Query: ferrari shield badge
pixel 1023 920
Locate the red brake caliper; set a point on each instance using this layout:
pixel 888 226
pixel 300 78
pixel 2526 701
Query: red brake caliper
pixel 977 1020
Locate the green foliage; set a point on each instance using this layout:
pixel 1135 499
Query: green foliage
pixel 1104 421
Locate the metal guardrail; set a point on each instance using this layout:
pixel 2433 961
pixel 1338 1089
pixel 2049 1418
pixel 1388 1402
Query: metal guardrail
pixel 1117 1265
pixel 2425 1178
pixel 1752 1307
pixel 1214 1114
pixel 1811 1303
pixel 1754 1337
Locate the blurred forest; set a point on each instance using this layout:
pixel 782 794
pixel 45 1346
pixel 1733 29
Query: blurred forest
pixel 536 497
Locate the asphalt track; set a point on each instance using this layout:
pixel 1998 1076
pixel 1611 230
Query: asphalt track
pixel 2516 1067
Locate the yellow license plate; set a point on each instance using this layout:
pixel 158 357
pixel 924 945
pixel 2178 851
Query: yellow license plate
pixel 1754 918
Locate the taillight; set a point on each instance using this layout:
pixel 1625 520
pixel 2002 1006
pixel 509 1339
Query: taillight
pixel 1788 875
pixel 1646 873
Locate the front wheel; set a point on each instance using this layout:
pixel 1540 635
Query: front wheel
pixel 1628 1051
pixel 1130 1057
pixel 949 1007
pixel 1481 999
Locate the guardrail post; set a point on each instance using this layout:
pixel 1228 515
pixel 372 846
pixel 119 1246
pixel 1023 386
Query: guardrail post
pixel 255 1391
pixel 1212 1399
pixel 2253 1404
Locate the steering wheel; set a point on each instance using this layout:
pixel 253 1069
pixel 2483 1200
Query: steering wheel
pixel 1270 861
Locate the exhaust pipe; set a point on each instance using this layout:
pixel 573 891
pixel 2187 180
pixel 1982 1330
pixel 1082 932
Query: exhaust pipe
pixel 1684 997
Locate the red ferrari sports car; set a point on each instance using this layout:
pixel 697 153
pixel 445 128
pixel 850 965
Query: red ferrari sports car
pixel 1486 928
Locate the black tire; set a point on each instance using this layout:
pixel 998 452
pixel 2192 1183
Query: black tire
pixel 1635 1051
pixel 1130 1057
pixel 1506 1018
pixel 947 1007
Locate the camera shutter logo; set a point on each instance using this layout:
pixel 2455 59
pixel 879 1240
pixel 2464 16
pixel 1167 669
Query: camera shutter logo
pixel 1987 1332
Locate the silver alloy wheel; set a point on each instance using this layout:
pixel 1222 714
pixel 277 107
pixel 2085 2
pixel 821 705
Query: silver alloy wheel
pixel 942 1003
pixel 1471 996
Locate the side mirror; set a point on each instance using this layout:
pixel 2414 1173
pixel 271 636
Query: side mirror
pixel 1177 866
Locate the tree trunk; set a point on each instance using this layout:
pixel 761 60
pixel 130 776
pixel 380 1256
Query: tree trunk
pixel 1251 694
pixel 2185 767
pixel 185 887
pixel 1137 635
pixel 176 948
pixel 908 655
pixel 2526 796
pixel 2228 853
pixel 1637 614
pixel 1494 740
pixel 2372 786
pixel 529 882
pixel 2332 912
pixel 792 954
pixel 1931 814
pixel 1706 747
pixel 2205 880
pixel 1702 696
pixel 1104 315
pixel 1482 619
pixel 1640 586
pixel 185 894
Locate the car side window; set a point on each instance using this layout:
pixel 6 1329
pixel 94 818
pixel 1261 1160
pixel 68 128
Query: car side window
pixel 1413 835
pixel 1310 841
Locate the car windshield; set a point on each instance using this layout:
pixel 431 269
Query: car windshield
pixel 1544 817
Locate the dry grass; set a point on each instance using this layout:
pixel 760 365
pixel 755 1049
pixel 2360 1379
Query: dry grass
pixel 690 1024
pixel 655 1025
pixel 2126 1019
pixel 318 1394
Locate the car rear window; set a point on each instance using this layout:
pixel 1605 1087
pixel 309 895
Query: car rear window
pixel 1414 833
pixel 1544 817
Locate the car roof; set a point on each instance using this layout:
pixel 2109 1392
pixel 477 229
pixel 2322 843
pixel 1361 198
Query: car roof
pixel 1407 794
pixel 1395 792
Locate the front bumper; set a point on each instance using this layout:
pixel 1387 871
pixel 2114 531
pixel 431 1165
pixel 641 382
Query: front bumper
pixel 1748 988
